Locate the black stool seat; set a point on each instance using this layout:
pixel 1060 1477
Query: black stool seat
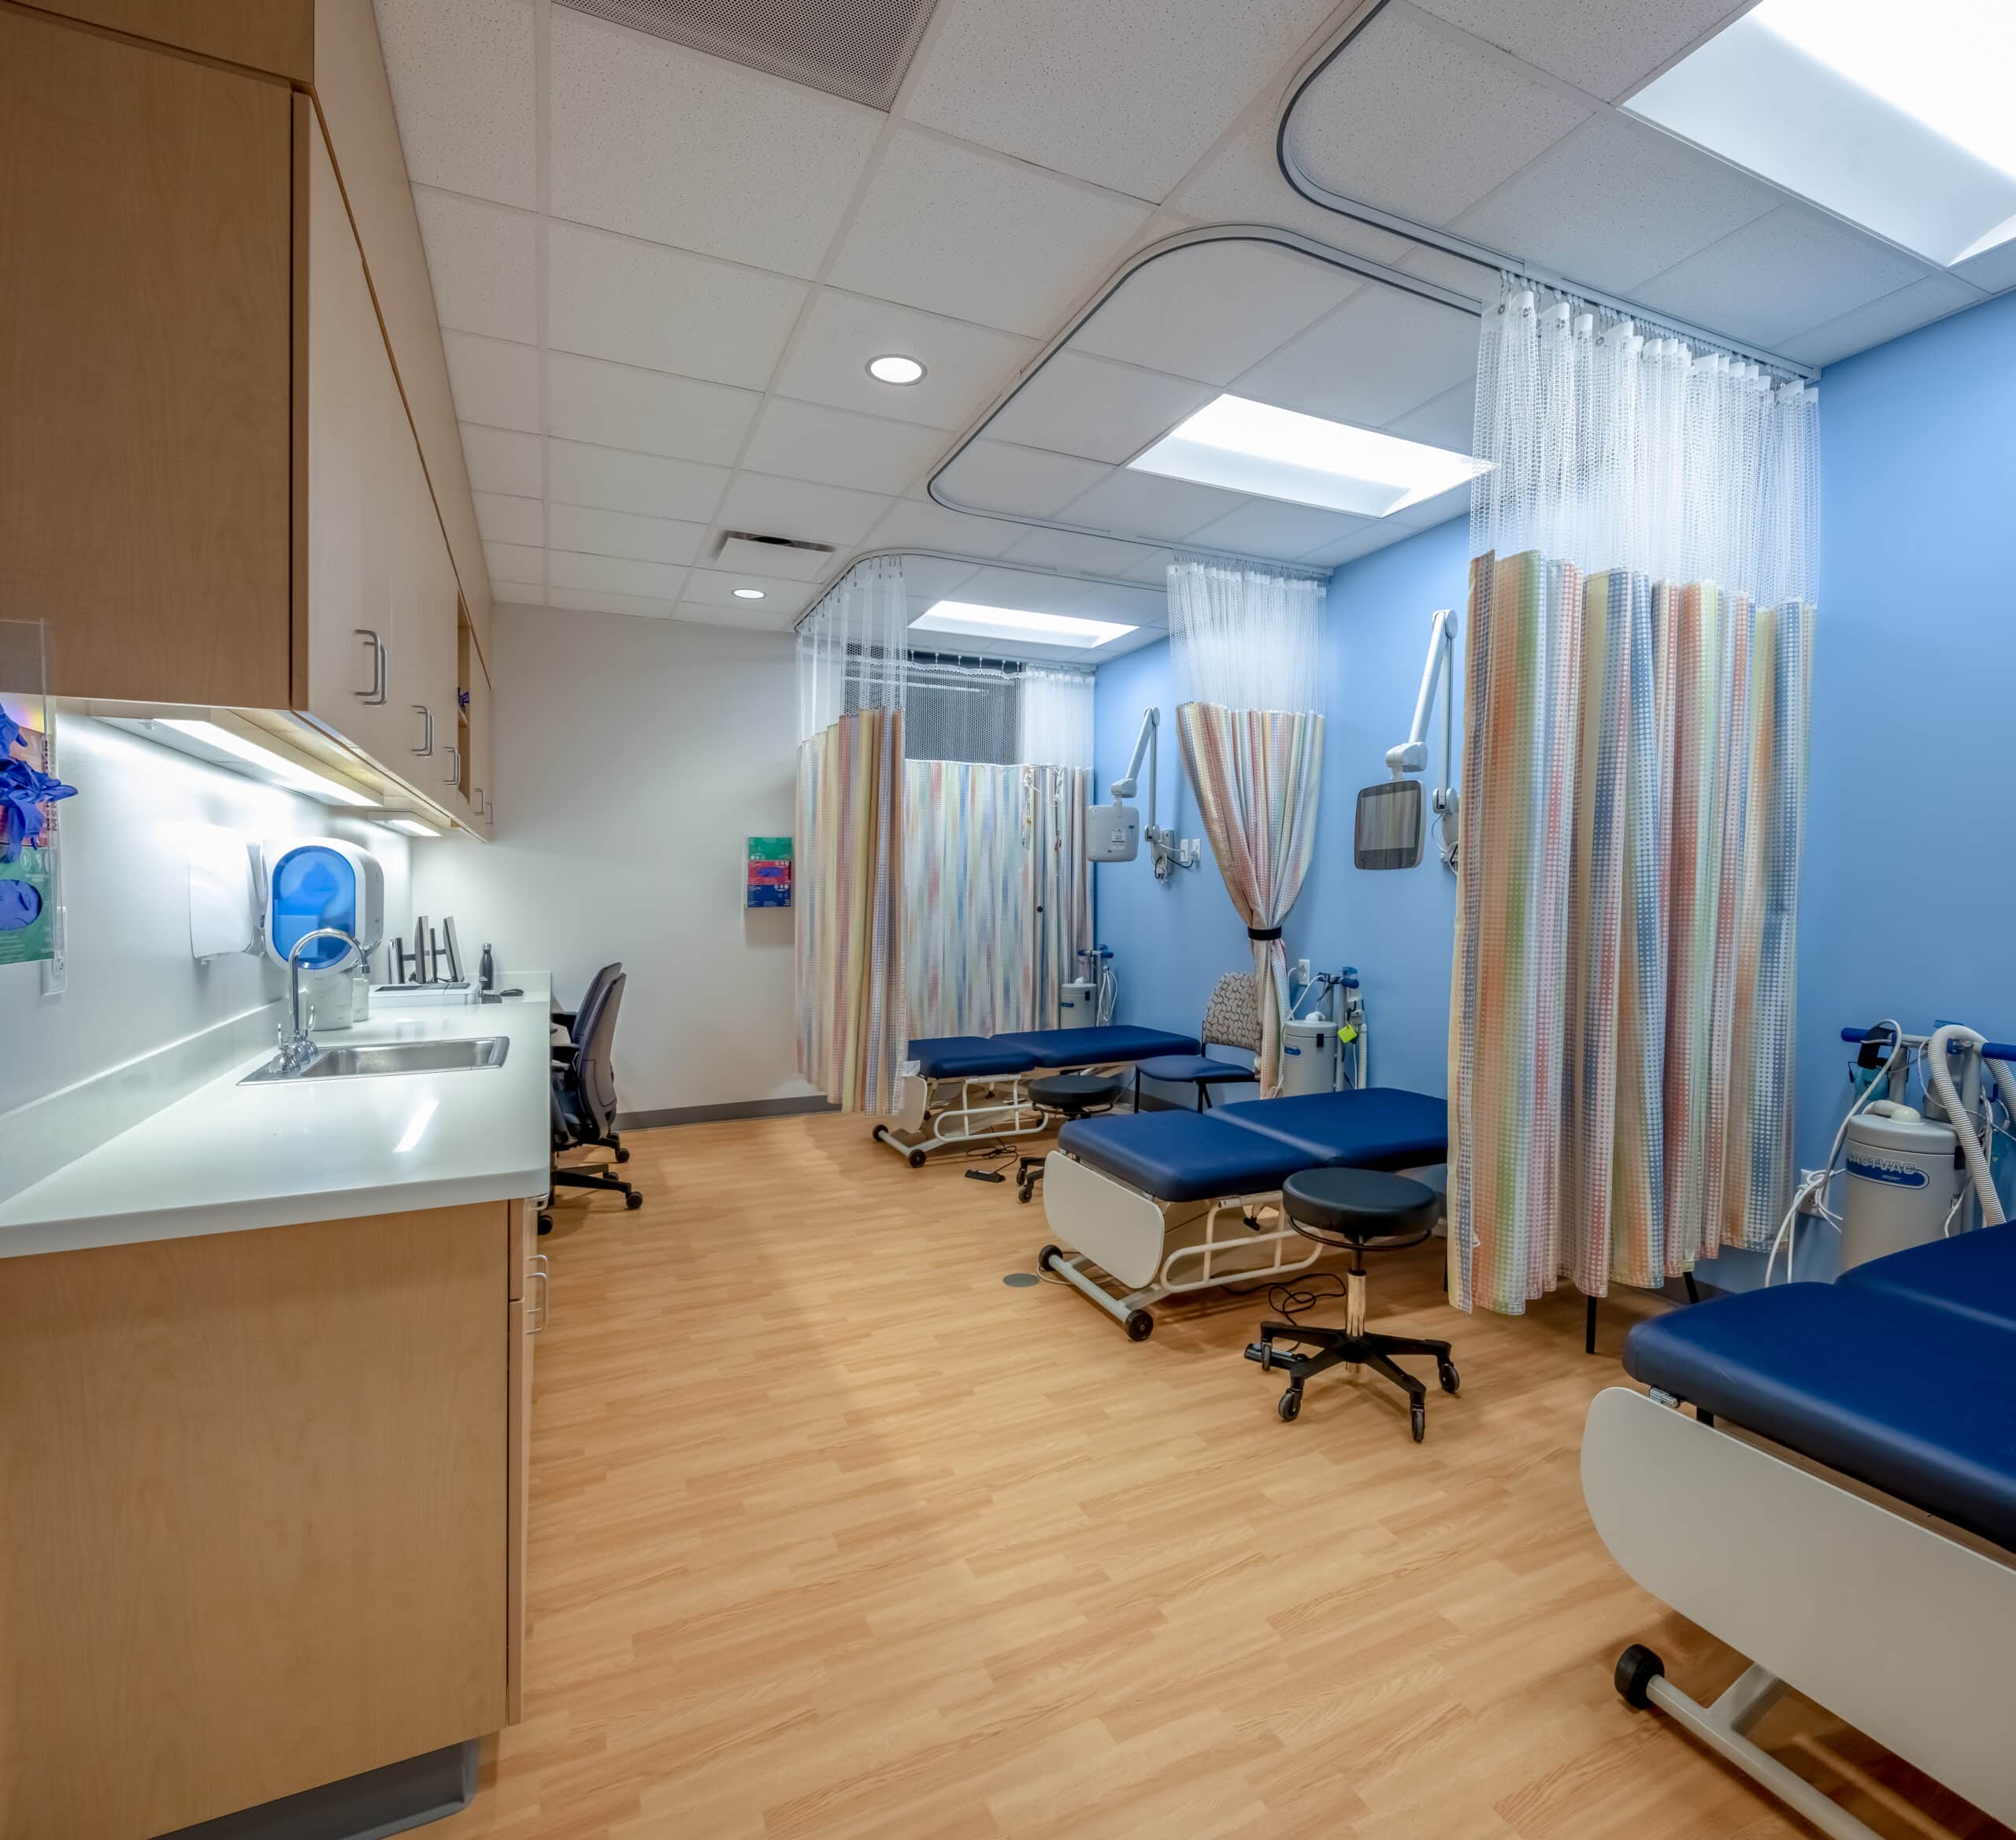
pixel 1074 1093
pixel 1353 1206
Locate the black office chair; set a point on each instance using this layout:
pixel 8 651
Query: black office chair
pixel 1362 1210
pixel 1231 1019
pixel 563 1052
pixel 585 1093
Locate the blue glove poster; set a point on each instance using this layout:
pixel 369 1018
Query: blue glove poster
pixel 27 831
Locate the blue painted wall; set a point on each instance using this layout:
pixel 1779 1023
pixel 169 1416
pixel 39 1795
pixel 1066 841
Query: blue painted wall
pixel 1909 882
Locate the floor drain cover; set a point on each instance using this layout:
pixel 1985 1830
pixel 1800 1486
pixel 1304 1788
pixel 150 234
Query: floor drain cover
pixel 1021 1280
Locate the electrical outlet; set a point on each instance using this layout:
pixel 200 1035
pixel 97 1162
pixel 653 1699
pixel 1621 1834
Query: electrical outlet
pixel 1809 1197
pixel 1299 970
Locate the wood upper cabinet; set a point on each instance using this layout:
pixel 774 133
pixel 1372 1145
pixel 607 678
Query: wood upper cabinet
pixel 146 227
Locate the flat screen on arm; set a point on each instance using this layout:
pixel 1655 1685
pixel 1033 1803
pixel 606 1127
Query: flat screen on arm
pixel 1389 826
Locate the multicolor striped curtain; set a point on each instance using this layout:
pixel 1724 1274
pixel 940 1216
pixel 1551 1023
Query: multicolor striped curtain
pixel 997 893
pixel 853 1023
pixel 1256 773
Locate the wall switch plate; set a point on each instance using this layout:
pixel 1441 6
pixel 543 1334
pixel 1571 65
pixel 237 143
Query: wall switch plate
pixel 56 967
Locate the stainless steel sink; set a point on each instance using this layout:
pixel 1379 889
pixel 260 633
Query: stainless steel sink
pixel 347 1062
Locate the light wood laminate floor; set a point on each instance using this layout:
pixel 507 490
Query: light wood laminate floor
pixel 835 1535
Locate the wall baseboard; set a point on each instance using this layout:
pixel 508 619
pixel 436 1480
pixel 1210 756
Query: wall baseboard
pixel 709 1114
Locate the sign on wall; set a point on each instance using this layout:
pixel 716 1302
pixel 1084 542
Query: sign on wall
pixel 769 872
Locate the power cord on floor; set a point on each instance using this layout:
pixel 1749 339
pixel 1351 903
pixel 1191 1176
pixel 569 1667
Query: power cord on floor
pixel 1291 1302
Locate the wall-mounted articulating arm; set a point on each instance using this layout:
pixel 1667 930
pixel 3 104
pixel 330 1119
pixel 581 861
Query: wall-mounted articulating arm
pixel 1411 755
pixel 1165 851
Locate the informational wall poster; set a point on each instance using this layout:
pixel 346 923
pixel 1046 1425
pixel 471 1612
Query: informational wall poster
pixel 769 872
pixel 28 792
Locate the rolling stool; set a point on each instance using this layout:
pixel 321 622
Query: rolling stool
pixel 1358 1209
pixel 1063 1095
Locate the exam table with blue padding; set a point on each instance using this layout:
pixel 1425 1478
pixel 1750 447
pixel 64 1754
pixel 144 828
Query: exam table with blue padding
pixel 961 1090
pixel 1167 1202
pixel 1840 1506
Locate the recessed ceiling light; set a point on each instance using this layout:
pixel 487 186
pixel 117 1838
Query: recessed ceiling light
pixel 962 616
pixel 748 594
pixel 1900 125
pixel 282 772
pixel 1247 447
pixel 894 369
pixel 411 826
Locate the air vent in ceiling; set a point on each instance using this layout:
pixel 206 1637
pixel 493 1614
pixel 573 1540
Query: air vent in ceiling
pixel 773 555
pixel 859 49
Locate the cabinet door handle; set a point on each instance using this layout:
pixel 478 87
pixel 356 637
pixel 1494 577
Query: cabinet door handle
pixel 376 693
pixel 427 716
pixel 477 799
pixel 453 776
pixel 541 1274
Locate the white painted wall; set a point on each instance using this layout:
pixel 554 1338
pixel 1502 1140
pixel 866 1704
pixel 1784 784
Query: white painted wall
pixel 634 759
pixel 133 988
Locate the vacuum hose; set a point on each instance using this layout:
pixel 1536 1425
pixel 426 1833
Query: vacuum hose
pixel 1938 1077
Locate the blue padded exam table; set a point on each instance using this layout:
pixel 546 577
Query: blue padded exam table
pixel 1839 1505
pixel 1164 1202
pixel 958 1091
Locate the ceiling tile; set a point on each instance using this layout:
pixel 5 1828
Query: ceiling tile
pixel 587 600
pixel 1477 281
pixel 645 484
pixel 991 476
pixel 615 575
pixel 515 562
pixel 1409 120
pixel 1145 504
pixel 747 615
pixel 965 366
pixel 805 440
pixel 610 297
pixel 462 89
pixel 494 382
pixel 1153 567
pixel 499 460
pixel 1242 184
pixel 1604 46
pixel 483 261
pixel 1889 317
pixel 1993 268
pixel 1615 202
pixel 502 518
pixel 711 587
pixel 1128 93
pixel 1450 420
pixel 1209 309
pixel 970 234
pixel 927 579
pixel 592 531
pixel 673 145
pixel 1024 590
pixel 1095 409
pixel 1383 352
pixel 1268 528
pixel 1780 275
pixel 912 522
pixel 619 406
pixel 1066 549
pixel 798 508
pixel 1375 533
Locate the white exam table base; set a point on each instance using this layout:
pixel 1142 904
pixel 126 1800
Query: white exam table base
pixel 981 1116
pixel 1159 1250
pixel 1899 1624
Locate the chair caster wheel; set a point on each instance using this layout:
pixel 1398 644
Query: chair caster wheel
pixel 1418 1417
pixel 1024 1192
pixel 623 1156
pixel 1451 1381
pixel 633 1199
pixel 1289 1408
pixel 1141 1326
pixel 1637 1667
pixel 545 1224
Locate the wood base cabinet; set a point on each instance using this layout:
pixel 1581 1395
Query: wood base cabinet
pixel 265 1503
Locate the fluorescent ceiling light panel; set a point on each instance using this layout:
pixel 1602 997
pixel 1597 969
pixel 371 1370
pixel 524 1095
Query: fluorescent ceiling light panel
pixel 968 616
pixel 282 772
pixel 1270 453
pixel 411 826
pixel 1898 120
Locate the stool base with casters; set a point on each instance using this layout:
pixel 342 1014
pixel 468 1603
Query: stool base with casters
pixel 1063 1096
pixel 1355 1208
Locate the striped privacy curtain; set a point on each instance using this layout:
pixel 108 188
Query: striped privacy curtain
pixel 1633 797
pixel 853 1025
pixel 1245 636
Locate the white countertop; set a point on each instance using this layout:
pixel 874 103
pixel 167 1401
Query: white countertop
pixel 228 1157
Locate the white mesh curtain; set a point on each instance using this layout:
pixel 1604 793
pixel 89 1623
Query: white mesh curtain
pixel 1639 648
pixel 1245 637
pixel 853 672
pixel 999 899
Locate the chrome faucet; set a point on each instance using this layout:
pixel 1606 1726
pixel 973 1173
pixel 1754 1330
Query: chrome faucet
pixel 298 1046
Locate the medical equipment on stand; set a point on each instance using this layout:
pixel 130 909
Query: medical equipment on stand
pixel 1390 823
pixel 1086 1001
pixel 1113 832
pixel 322 885
pixel 1318 1045
pixel 1910 1172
